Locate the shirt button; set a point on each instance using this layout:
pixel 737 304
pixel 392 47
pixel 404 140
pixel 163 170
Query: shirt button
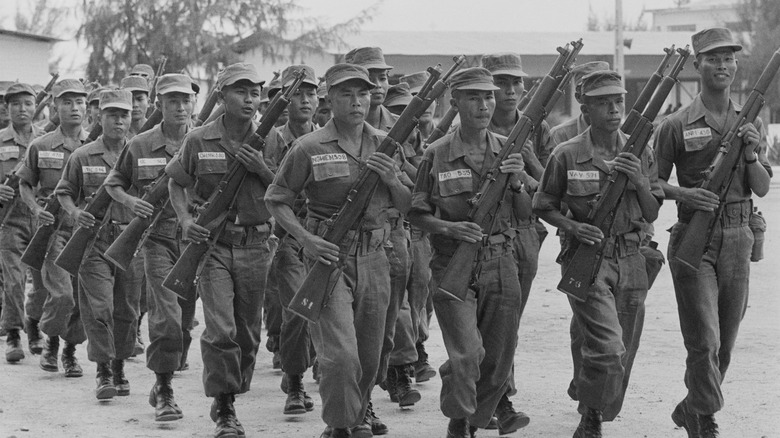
pixel 330 173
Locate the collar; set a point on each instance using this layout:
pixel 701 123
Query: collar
pixel 158 141
pixel 288 135
pixel 386 119
pixel 458 148
pixel 584 151
pixel 330 134
pixel 58 138
pixel 493 124
pixel 697 110
pixel 9 133
pixel 216 130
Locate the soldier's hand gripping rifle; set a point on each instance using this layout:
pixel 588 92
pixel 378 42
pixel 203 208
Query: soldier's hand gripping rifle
pixel 582 269
pixel 181 279
pixel 44 97
pixel 311 296
pixel 487 201
pixel 35 253
pixel 73 253
pixel 697 236
pixel 6 208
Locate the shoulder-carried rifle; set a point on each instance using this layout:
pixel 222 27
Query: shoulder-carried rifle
pixel 442 127
pixel 635 115
pixel 182 277
pixel 584 265
pixel 35 253
pixel 316 288
pixel 153 91
pixel 73 253
pixel 697 236
pixel 208 107
pixel 487 202
pixel 39 98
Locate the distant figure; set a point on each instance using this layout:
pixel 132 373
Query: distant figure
pixel 669 110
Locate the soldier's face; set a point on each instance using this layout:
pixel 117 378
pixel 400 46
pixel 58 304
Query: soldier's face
pixel 427 116
pixel 140 105
pixel 72 108
pixel 509 93
pixel 717 68
pixel 350 101
pixel 475 107
pixel 21 108
pixel 176 108
pixel 379 77
pixel 4 117
pixel 323 113
pixel 115 122
pixel 94 112
pixel 302 103
pixel 605 112
pixel 242 99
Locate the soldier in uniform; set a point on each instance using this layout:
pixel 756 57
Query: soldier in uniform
pixel 39 175
pixel 140 89
pixel 17 229
pixel 325 164
pixel 140 163
pixel 574 175
pixel 576 125
pixel 108 298
pixel 144 71
pixel 712 301
pixel 324 111
pixel 5 118
pixel 480 333
pixel 234 273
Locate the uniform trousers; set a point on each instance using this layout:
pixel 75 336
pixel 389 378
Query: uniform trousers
pixel 397 251
pixel 294 340
pixel 418 286
pixel 61 315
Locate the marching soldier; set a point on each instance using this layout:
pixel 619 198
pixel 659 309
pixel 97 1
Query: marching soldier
pixel 576 125
pixel 140 89
pixel 324 111
pixel 144 71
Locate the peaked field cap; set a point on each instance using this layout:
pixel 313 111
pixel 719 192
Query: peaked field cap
pixel 370 58
pixel 68 86
pixel 416 80
pixel 340 73
pixel 94 95
pixel 708 40
pixel 275 84
pixel 239 71
pixel 322 89
pixel 399 94
pixel 18 88
pixel 581 70
pixel 504 64
pixel 121 98
pixel 134 83
pixel 473 78
pixel 142 69
pixel 175 83
pixel 288 75
pixel 602 83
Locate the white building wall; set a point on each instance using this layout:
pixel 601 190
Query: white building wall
pixel 24 59
pixel 697 19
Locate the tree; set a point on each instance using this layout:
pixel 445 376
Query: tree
pixel 121 33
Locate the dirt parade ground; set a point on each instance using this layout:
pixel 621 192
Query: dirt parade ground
pixel 34 403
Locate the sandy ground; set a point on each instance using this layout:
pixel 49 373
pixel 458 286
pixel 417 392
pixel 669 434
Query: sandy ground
pixel 34 403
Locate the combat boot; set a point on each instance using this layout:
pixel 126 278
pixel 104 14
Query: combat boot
pixel 458 428
pixel 295 405
pixel 423 371
pixel 590 425
pixel 377 426
pixel 330 432
pixel 686 419
pixel 405 394
pixel 13 349
pixel 708 427
pixel 391 384
pixel 69 361
pixel 161 399
pixel 508 419
pixel 105 386
pixel 121 383
pixel 34 338
pixel 227 423
pixel 49 356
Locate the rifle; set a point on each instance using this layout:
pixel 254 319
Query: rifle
pixel 442 128
pixel 635 114
pixel 698 234
pixel 316 288
pixel 152 121
pixel 183 276
pixel 208 107
pixel 463 268
pixel 82 238
pixel 39 108
pixel 47 89
pixel 527 97
pixel 35 253
pixel 153 91
pixel 582 268
pixel 94 133
pixel 11 181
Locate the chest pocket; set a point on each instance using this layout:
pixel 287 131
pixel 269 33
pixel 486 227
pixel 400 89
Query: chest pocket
pixel 9 153
pixel 212 165
pixel 149 168
pixel 583 183
pixel 94 175
pixel 455 182
pixel 328 166
pixel 50 160
pixel 696 139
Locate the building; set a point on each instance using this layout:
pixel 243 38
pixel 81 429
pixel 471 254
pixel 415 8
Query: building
pixel 695 16
pixel 30 54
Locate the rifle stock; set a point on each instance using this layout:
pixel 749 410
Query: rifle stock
pixel 96 131
pixel 208 107
pixel 35 253
pixel 441 128
pixel 73 253
pixel 47 89
pixel 11 181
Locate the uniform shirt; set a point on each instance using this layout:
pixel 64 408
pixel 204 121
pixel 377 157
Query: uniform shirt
pixel 386 119
pixel 317 164
pixel 45 159
pixel 141 162
pixel 13 148
pixel 689 140
pixel 84 173
pixel 568 130
pixel 203 161
pixel 541 139
pixel 448 178
pixel 575 175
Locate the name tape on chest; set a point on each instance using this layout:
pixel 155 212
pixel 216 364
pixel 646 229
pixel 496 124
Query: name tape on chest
pixel 9 150
pixel 93 169
pixel 210 156
pixel 697 133
pixel 584 174
pixel 143 162
pixel 454 174
pixel 53 155
pixel 328 158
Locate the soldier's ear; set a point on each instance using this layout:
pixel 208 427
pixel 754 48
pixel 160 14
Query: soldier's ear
pixel 221 97
pixel 584 109
pixel 158 103
pixel 453 103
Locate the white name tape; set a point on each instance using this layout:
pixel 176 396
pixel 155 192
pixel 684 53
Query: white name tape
pixel 328 158
pixel 9 149
pixel 152 162
pixel 454 174
pixel 211 155
pixel 584 174
pixel 697 133
pixel 52 154
pixel 93 169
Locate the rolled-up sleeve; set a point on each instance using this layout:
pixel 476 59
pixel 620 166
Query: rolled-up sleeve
pixel 71 181
pixel 28 171
pixel 182 166
pixel 553 185
pixel 423 187
pixel 291 177
pixel 665 147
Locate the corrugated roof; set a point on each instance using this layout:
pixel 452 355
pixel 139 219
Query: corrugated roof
pixel 29 36
pixel 524 43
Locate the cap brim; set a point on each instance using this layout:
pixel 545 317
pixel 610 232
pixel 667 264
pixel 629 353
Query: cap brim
pixel 402 100
pixel 604 91
pixel 305 81
pixel 122 106
pixel 416 89
pixel 72 91
pixel 177 89
pixel 720 45
pixel 243 77
pixel 477 87
pixel 376 66
pixel 370 84
pixel 517 73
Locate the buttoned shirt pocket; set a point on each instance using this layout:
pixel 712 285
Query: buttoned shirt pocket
pixel 212 166
pixel 149 168
pixel 583 184
pixel 328 166
pixel 93 177
pixel 696 139
pixel 455 182
pixel 51 160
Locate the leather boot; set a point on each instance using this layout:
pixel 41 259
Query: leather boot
pixel 508 419
pixel 686 419
pixel 390 384
pixel 34 338
pixel 405 394
pixel 377 426
pixel 105 386
pixel 295 404
pixel 69 361
pixel 590 425
pixel 458 428
pixel 13 348
pixel 121 383
pixel 227 423
pixel 708 426
pixel 423 371
pixel 49 356
pixel 161 398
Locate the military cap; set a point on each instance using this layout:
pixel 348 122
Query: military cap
pixel 4 86
pixel 322 89
pixel 473 78
pixel 142 69
pixel 370 58
pixel 68 86
pixel 175 83
pixel 344 72
pixel 18 88
pixel 239 71
pixel 264 96
pixel 350 56
pixel 416 81
pixel 275 85
pixel 579 71
pixel 288 75
pixel 504 64
pixel 94 95
pixel 134 83
pixel 398 95
pixel 121 98
pixel 602 83
pixel 708 40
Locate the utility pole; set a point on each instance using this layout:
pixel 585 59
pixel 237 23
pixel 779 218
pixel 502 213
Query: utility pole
pixel 619 58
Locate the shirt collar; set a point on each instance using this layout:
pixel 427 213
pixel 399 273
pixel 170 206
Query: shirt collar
pixel 697 110
pixel 9 133
pixel 585 151
pixel 330 134
pixel 459 149
pixel 288 135
pixel 58 138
